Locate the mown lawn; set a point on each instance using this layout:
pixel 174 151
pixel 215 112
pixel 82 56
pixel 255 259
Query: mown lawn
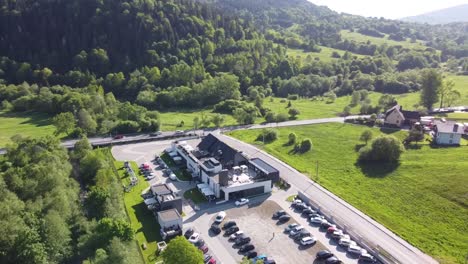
pixel 171 120
pixel 358 37
pixel 143 222
pixel 25 124
pixel 423 199
pixel 195 195
pixel 324 55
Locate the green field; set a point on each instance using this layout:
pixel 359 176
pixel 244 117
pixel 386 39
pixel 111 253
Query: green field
pixel 324 55
pixel 26 124
pixel 358 37
pixel 171 120
pixel 423 199
pixel 143 222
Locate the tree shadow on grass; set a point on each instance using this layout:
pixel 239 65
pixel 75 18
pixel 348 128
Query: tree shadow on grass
pixel 389 130
pixel 377 169
pixel 150 226
pixel 33 118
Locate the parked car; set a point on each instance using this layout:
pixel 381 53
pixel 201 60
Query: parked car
pixel 242 201
pixel 300 235
pixel 215 229
pixel 300 206
pixel 284 218
pixel 229 224
pixel 188 233
pixel 155 134
pixel 220 217
pixel 316 220
pixel 367 258
pixel 345 241
pixel 308 240
pixel 206 258
pixel 324 254
pixel 316 215
pixel 194 238
pixel 269 261
pixel 118 136
pixel 308 211
pixel 279 213
pixel 357 250
pixel 200 243
pixel 326 225
pixel 246 248
pixel 173 177
pixel 242 240
pixel 211 261
pixel 179 132
pixel 236 234
pixel 290 227
pixel 151 176
pixel 296 230
pixel 337 234
pixel 204 248
pixel 231 230
pixel 332 260
pixel 251 254
pixel 332 229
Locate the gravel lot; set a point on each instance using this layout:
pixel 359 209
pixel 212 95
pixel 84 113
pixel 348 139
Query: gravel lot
pixel 268 237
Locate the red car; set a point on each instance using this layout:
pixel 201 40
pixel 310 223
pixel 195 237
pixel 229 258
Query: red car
pixel 203 248
pixel 118 136
pixel 211 261
pixel 331 229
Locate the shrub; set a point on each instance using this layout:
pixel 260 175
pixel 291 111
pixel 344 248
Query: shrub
pixel 383 148
pixel 292 138
pixel 293 112
pixel 347 110
pixel 293 96
pixel 306 145
pixel 270 117
pixel 268 135
pixel 281 117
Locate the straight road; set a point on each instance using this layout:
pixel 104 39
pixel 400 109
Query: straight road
pixel 342 212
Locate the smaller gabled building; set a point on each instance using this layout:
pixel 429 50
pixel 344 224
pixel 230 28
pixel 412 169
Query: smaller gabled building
pixel 448 133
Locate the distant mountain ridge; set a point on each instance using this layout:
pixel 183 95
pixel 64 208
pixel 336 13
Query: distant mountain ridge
pixel 443 16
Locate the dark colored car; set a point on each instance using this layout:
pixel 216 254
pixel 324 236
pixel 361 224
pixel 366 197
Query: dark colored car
pixel 279 213
pixel 324 254
pixel 155 134
pixel 206 258
pixel 300 235
pixel 326 225
pixel 301 206
pixel 251 254
pixel 242 241
pixel 118 136
pixel 246 248
pixel 200 243
pixel 269 261
pixel 307 211
pixel 231 230
pixel 204 248
pixel 188 233
pixel 284 218
pixel 229 224
pixel 215 229
pixel 332 260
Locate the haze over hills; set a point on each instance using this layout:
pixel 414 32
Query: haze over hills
pixel 443 16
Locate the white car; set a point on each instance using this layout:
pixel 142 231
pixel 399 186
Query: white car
pixel 220 217
pixel 308 240
pixel 345 241
pixel 194 238
pixel 242 201
pixel 316 220
pixel 297 201
pixel 236 234
pixel 173 177
pixel 355 249
pixel 290 227
pixel 296 230
pixel 151 176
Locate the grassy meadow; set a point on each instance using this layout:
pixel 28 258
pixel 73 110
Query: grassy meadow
pixel 358 37
pixel 423 199
pixel 26 124
pixel 324 55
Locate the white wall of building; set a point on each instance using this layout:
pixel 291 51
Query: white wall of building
pixel 229 189
pixel 448 138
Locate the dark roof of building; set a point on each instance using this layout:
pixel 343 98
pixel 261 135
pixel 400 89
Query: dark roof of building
pixel 169 215
pixel 161 189
pixel 411 114
pixel 449 127
pixel 217 149
pixel 261 164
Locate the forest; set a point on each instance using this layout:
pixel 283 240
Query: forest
pixel 102 66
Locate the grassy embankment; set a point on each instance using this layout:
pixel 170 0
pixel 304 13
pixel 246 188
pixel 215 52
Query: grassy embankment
pixel 422 199
pixel 143 222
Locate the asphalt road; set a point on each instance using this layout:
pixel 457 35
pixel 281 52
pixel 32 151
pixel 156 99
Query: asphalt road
pixel 342 212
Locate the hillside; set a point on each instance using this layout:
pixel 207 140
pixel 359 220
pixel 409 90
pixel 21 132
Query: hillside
pixel 442 16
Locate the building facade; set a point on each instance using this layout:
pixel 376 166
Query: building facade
pixel 448 133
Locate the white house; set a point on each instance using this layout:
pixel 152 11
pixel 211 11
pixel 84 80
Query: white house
pixel 448 133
